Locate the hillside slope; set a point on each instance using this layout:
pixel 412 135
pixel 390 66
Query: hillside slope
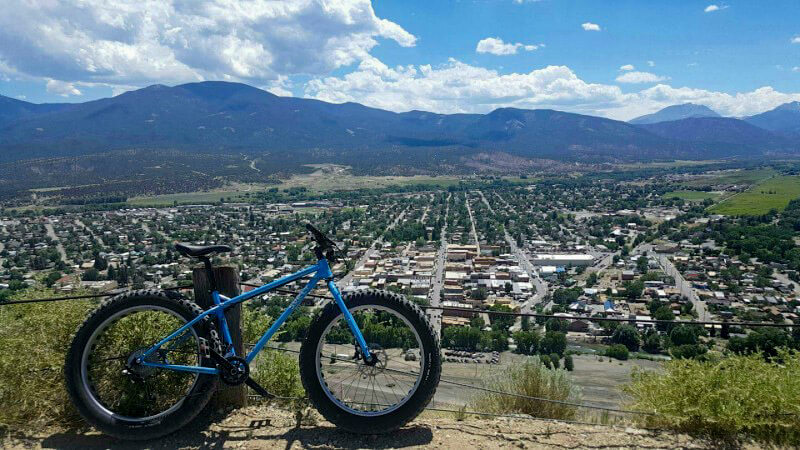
pixel 722 134
pixel 785 119
pixel 262 428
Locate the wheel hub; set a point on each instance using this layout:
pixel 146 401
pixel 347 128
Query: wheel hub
pixel 376 363
pixel 135 368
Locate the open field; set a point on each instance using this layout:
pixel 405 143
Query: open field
pixel 235 191
pixel 744 176
pixel 774 193
pixel 326 178
pixel 332 177
pixel 692 196
pixel 667 164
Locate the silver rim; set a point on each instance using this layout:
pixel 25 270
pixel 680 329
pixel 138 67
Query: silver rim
pixel 369 390
pixel 89 389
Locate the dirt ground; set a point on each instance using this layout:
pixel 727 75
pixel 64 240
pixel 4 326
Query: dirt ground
pixel 262 427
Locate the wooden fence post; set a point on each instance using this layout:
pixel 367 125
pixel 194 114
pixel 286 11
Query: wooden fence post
pixel 228 283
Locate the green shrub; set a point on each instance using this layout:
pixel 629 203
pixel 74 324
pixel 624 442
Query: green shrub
pixel 727 399
pixel 554 359
pixel 568 363
pixel 617 351
pixel 545 359
pixel 687 351
pixel 531 378
pixel 278 373
pixel 34 338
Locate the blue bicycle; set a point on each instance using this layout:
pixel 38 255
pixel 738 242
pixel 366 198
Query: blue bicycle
pixel 145 363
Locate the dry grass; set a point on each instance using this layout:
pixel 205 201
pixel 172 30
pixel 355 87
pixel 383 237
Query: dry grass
pixel 530 378
pixel 727 400
pixel 33 341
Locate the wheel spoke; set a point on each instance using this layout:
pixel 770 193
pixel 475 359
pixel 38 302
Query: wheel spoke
pixel 370 389
pixel 130 389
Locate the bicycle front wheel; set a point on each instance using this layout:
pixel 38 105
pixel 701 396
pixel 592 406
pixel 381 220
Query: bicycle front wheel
pixel 129 400
pixel 385 393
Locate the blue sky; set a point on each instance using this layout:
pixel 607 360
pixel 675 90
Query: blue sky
pixel 617 59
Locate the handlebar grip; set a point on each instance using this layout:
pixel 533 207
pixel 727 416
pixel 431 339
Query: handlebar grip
pixel 321 239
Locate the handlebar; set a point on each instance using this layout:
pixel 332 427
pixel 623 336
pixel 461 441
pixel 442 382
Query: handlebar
pixel 325 246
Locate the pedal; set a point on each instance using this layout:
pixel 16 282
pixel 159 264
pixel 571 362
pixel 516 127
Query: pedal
pixel 205 348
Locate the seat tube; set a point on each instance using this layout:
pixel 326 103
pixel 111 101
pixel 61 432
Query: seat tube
pixel 351 322
pixel 223 323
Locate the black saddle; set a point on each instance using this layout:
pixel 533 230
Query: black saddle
pixel 197 251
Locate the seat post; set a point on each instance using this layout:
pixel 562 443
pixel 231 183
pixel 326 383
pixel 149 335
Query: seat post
pixel 212 281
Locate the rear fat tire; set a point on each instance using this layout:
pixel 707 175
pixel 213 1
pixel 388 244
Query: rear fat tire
pixel 192 404
pixel 406 412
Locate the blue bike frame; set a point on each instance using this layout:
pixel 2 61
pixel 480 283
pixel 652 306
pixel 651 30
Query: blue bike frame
pixel 321 271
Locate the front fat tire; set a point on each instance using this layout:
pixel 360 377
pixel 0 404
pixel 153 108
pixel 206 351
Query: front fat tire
pixel 192 404
pixel 405 413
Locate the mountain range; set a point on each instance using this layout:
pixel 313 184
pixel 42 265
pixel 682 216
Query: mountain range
pixel 231 118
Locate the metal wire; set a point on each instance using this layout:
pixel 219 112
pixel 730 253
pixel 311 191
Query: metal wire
pixel 510 394
pixel 78 297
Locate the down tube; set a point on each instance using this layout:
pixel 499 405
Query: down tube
pixel 349 318
pixel 282 318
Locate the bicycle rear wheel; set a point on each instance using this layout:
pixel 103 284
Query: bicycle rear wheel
pixel 129 400
pixel 380 395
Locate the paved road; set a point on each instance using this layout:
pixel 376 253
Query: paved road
pixel 88 230
pixel 472 222
pixel 374 248
pixel 437 283
pixel 52 234
pixel 683 286
pixel 524 262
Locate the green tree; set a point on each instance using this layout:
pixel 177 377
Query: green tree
pixel 628 336
pixel 51 278
pixel 554 324
pixel 553 342
pixel 682 335
pixel 91 275
pixel 527 342
pixel 664 313
pixel 100 263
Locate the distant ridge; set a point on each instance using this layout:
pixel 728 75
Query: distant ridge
pixel 785 119
pixel 232 118
pixel 676 112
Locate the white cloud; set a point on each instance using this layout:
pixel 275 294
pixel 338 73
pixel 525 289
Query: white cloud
pixel 651 63
pixel 736 105
pixel 711 8
pixel 627 67
pixel 640 77
pixel 62 88
pixel 460 87
pixel 457 87
pixel 137 42
pixel 589 26
pixel 795 40
pixel 496 46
